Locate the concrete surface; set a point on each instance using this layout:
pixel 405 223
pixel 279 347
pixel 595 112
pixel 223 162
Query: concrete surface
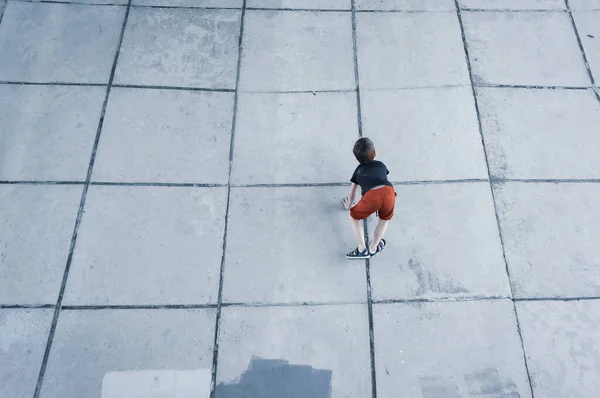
pixel 550 238
pixel 541 133
pixel 58 42
pixel 284 129
pixel 588 23
pixel 95 344
pixel 49 130
pixel 447 246
pixel 533 48
pixel 387 60
pixel 267 265
pixel 180 47
pixel 170 217
pixel 434 350
pixel 181 123
pixel 301 4
pixel 22 345
pixel 514 4
pixel 333 338
pixel 291 51
pixel 37 225
pixel 584 4
pixel 405 5
pixel 121 236
pixel 563 347
pixel 391 117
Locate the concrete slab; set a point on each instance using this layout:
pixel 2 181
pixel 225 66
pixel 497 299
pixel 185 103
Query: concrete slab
pixel 94 349
pixel 190 3
pixel 540 133
pixel 562 345
pixel 58 42
pixel 433 350
pixel 588 26
pixel 297 51
pixel 108 2
pixel 398 50
pixel 514 4
pixel 39 223
pixel 550 237
pixel 148 245
pixel 85 2
pixel 157 383
pixel 48 131
pixel 524 48
pixel 294 319
pixel 288 245
pixel 425 134
pixel 302 4
pixel 289 132
pixel 406 5
pixel 180 47
pixel 165 136
pixel 443 243
pixel 584 4
pixel 294 352
pixel 23 336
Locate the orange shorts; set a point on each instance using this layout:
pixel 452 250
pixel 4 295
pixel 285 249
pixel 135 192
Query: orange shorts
pixel 381 200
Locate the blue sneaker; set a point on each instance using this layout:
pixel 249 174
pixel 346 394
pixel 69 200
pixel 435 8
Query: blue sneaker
pixel 358 255
pixel 380 247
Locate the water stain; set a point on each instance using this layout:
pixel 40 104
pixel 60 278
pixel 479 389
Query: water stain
pixel 276 378
pixel 429 282
pixel 488 383
pixel 437 387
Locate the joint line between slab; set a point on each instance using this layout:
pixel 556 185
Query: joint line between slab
pixel 184 7
pixel 288 9
pixel 370 319
pixel 215 360
pixel 91 307
pixel 494 180
pixel 228 90
pixel 23 83
pixel 582 50
pixel 491 185
pixel 356 74
pixel 63 285
pixel 366 232
pixel 2 12
pixel 531 87
pixel 537 10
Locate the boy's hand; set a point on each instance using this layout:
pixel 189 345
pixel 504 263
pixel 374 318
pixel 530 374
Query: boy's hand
pixel 347 203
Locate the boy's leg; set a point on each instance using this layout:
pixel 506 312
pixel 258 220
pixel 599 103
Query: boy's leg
pixel 378 234
pixel 359 233
pixel 386 212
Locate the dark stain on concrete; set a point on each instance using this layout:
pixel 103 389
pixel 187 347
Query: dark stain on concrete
pixel 429 282
pixel 437 387
pixel 476 78
pixel 276 378
pixel 488 383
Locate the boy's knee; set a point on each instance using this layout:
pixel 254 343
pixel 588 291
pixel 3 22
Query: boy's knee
pixel 354 216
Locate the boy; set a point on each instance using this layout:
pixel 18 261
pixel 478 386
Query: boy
pixel 378 195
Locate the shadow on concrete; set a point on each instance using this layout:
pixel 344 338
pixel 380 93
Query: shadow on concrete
pixel 275 378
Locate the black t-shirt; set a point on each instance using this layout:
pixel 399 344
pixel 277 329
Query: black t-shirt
pixel 370 175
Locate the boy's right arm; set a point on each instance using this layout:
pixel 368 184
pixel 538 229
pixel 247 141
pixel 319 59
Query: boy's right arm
pixel 349 200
